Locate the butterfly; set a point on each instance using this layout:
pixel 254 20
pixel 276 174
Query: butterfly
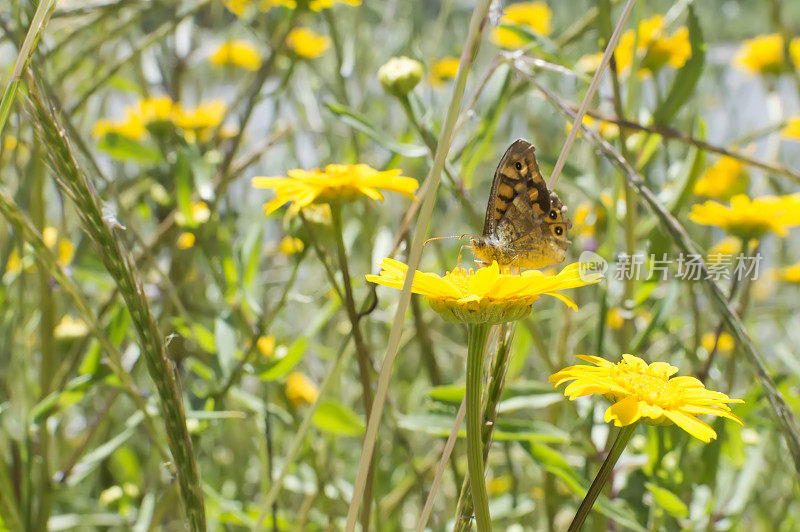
pixel 525 225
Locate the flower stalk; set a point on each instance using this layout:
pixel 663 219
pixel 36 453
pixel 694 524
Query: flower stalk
pixel 477 336
pixel 623 436
pixel 361 348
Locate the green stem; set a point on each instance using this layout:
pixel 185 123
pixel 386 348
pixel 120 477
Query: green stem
pixel 600 480
pixel 364 361
pixel 478 334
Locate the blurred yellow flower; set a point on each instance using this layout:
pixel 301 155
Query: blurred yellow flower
pixel 162 109
pixel 748 218
pixel 723 179
pixel 290 246
pixel 730 245
pixel 201 120
pixel 764 54
pixel 266 345
pixel 792 129
pixel 70 328
pixel 589 63
pixel 607 130
pixel 300 389
pixel 306 43
pixel 200 214
pixel 444 69
pixel 239 7
pixel 337 182
pixel 614 319
pixel 724 344
pixel 238 53
pixel 185 240
pixel 486 295
pixel 14 263
pixel 319 5
pixel 790 274
pixel 64 248
pixel 130 127
pixel 654 48
pixel 639 390
pixel 531 16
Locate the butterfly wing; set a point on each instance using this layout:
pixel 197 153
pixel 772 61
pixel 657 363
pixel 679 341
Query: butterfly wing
pixel 525 223
pixel 519 199
pixel 547 243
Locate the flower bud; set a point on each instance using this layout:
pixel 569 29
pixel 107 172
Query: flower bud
pixel 400 75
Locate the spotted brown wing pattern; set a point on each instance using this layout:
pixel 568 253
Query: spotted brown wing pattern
pixel 525 224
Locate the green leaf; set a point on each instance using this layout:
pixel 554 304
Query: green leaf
pixel 359 122
pixel 225 343
pixel 668 501
pixel 335 418
pixel 184 188
pixel 686 79
pixel 283 366
pixel 507 430
pixel 125 149
pixel 449 393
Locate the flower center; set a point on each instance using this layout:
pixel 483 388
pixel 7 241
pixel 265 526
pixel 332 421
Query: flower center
pixel 652 389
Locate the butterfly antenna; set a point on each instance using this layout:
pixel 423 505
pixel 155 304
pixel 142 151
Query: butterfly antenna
pixel 440 238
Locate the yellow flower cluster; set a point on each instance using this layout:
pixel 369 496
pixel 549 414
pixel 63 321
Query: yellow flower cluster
pixel 343 182
pixel 608 130
pixel 237 53
pixel 240 7
pixel 640 390
pixel 748 218
pixel 306 43
pixel 534 17
pixel 722 179
pixel 724 344
pixel 653 47
pixel 196 122
pixel 765 54
pixel 486 295
pixel 63 248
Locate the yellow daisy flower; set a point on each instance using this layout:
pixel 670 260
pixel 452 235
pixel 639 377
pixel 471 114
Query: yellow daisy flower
pixel 748 218
pixel 444 69
pixel 764 54
pixel 300 389
pixel 792 129
pixel 640 390
pixel 238 53
pixel 532 16
pixel 337 182
pixel 722 179
pixel 307 43
pixel 790 274
pixel 486 295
